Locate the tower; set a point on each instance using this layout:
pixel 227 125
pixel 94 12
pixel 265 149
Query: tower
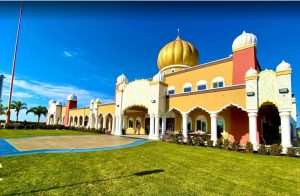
pixel 71 103
pixel 244 56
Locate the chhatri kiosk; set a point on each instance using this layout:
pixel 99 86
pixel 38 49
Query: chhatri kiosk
pixel 231 97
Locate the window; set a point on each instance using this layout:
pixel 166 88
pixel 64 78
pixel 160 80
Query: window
pixel 201 85
pixel 187 87
pixel 171 90
pixel 130 123
pixel 201 123
pixel 218 82
pixel 220 126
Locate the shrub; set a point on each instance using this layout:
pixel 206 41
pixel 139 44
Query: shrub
pixel 235 146
pixel 226 144
pixel 199 141
pixel 249 147
pixel 275 149
pixel 219 143
pixel 298 151
pixel 262 149
pixel 10 126
pixel 173 138
pixel 291 152
pixel 210 143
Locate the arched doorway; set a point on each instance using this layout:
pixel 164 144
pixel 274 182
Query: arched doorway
pixel 108 123
pixel 51 119
pixel 136 120
pixel 86 121
pixel 200 120
pixel 269 123
pixel 233 124
pixel 80 120
pixel 173 121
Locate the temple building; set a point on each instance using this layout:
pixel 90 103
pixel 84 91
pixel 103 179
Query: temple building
pixel 230 98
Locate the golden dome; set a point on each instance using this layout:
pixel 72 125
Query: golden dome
pixel 177 52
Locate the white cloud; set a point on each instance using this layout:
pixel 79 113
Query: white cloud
pixel 68 54
pixel 32 88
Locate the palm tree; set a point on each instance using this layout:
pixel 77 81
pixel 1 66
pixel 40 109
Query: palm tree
pixel 18 106
pixel 2 109
pixel 38 111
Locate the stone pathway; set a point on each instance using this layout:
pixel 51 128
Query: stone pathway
pixel 54 144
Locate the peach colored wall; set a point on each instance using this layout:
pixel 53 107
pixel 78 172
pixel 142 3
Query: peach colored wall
pixel 106 108
pixel 212 101
pixel 208 73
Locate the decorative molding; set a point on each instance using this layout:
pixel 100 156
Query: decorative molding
pixel 286 72
pixel 251 78
pixel 197 107
pixel 229 105
pixel 245 47
pixel 158 82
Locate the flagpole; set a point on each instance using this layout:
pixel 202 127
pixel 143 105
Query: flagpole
pixel 14 66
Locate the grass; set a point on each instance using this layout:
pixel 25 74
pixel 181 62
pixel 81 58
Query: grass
pixel 155 168
pixel 38 132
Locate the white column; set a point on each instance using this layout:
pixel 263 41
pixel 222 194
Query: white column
pixel 109 124
pixel 104 122
pixel 163 127
pixel 151 134
pixel 119 126
pixel 54 119
pixel 82 123
pixel 213 127
pixel 253 129
pixel 97 122
pixel 285 130
pixel 185 124
pixel 113 124
pixel 156 135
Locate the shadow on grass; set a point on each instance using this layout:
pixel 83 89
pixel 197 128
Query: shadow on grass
pixel 143 173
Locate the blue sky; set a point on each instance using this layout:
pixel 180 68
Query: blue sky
pixel 82 47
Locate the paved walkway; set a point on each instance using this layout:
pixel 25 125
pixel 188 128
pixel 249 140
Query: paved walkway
pixel 55 144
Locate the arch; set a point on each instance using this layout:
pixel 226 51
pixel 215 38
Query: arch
pixel 135 107
pixel 187 87
pixel 76 121
pixel 86 120
pixel 71 121
pixel 269 123
pixel 231 104
pixel 218 82
pixel 51 119
pixel 171 90
pixel 80 120
pixel 201 85
pixel 197 107
pixel 233 124
pixel 131 122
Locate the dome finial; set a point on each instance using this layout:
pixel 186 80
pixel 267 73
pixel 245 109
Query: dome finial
pixel 178 34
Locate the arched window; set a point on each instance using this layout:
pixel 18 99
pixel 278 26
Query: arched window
pixel 187 87
pixel 138 123
pixel 220 125
pixel 201 85
pixel 218 82
pixel 171 90
pixel 130 122
pixel 201 123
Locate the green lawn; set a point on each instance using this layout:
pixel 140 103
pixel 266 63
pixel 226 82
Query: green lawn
pixel 4 133
pixel 155 168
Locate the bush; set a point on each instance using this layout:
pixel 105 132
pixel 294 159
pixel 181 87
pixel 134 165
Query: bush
pixel 199 141
pixel 275 149
pixel 262 149
pixel 210 143
pixel 226 144
pixel 173 138
pixel 291 152
pixel 219 143
pixel 249 147
pixel 235 146
pixel 10 126
pixel 298 151
pixel 190 140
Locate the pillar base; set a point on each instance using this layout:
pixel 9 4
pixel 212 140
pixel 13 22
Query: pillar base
pixel 155 137
pixel 285 148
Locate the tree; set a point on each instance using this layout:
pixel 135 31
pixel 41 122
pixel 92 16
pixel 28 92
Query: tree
pixel 2 109
pixel 18 106
pixel 38 111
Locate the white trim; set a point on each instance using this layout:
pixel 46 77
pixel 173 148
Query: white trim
pixel 229 105
pixel 198 107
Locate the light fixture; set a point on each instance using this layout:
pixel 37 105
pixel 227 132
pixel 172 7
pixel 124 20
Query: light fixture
pixel 283 90
pixel 250 94
pixel 153 101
